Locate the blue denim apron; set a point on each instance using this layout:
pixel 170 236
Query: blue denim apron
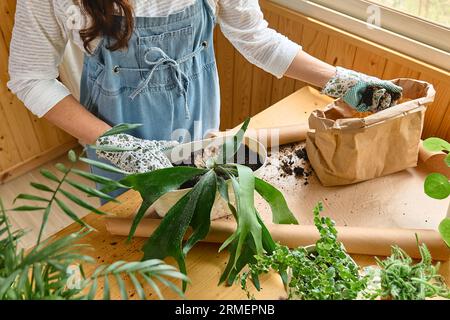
pixel 166 80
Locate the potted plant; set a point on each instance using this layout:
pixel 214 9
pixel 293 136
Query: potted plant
pixel 325 271
pixel 196 154
pixel 437 186
pixel 54 268
pixel 194 208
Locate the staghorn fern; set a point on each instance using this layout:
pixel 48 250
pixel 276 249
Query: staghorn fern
pixel 194 209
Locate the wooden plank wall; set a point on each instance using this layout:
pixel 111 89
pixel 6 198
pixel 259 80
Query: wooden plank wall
pixel 247 90
pixel 25 141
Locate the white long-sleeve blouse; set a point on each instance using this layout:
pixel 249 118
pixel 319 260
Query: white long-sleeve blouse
pixel 43 28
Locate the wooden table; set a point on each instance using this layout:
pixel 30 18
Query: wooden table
pixel 204 263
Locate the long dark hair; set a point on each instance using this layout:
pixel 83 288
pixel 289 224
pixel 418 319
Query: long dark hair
pixel 103 22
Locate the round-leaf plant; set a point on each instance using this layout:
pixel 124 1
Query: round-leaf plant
pixel 193 210
pixel 437 185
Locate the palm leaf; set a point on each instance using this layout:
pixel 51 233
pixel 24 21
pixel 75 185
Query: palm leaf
pixel 23 196
pixel 41 187
pixel 49 175
pixel 70 213
pixel 90 191
pixel 103 166
pixel 81 203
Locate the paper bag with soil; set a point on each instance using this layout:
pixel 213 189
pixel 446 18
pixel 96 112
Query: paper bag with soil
pixel 346 147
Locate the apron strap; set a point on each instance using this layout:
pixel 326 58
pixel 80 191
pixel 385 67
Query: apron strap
pixel 180 77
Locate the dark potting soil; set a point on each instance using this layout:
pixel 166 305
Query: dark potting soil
pixel 244 156
pixel 291 166
pixel 368 95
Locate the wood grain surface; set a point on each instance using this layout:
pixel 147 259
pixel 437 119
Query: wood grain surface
pixel 204 263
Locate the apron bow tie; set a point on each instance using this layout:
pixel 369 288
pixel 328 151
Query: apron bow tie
pixel 180 77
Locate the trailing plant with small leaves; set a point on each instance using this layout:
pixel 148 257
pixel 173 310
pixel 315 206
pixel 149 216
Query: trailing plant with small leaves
pixel 437 185
pixel 321 272
pixel 326 272
pixel 401 279
pixel 194 209
pixel 53 270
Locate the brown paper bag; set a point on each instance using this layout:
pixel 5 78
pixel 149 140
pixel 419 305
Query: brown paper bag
pixel 344 149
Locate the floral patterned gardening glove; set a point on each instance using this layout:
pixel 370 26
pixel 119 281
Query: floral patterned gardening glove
pixel 147 154
pixel 362 92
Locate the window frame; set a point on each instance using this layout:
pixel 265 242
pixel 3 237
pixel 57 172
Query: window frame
pixel 397 30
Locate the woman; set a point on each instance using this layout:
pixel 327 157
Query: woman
pixel 152 62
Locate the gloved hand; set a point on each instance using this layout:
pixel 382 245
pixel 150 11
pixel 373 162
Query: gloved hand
pixel 362 92
pixel 147 156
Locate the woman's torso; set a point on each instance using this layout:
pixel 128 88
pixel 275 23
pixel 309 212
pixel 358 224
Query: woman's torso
pixel 74 20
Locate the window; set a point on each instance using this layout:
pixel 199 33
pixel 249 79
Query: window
pixel 419 28
pixel 436 11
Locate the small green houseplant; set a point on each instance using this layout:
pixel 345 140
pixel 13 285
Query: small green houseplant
pixel 437 186
pixel 326 271
pixel 321 272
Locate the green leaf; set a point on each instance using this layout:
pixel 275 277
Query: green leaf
pixel 92 290
pixel 171 286
pixel 447 160
pixel 61 167
pixel 28 208
pixel 436 145
pixel 153 185
pixel 122 287
pixel 437 186
pixel 203 199
pixel 40 286
pixel 49 175
pixel 70 213
pixel 167 239
pixel 137 286
pixel 103 166
pixel 41 187
pixel 81 203
pixel 6 282
pixel 72 156
pixel 247 218
pixel 90 191
pixel 232 144
pixel 121 128
pixel 44 223
pixel 252 236
pixel 281 214
pixel 98 179
pixel 106 292
pixel 444 230
pixel 23 196
pixel 153 285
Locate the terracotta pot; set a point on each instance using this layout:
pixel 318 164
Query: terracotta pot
pixel 220 208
